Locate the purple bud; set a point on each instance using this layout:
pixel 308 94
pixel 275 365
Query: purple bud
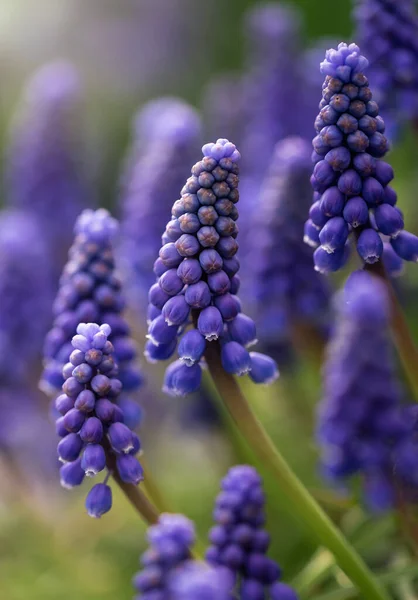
pixel 93 460
pixel 60 427
pixel 208 236
pixel 169 255
pixel 159 332
pixel 228 305
pixel 227 247
pixel 76 357
pixel 334 234
pixel 373 192
pixel 219 283
pixel 324 174
pixel 72 387
pixel 187 245
pixel 129 469
pixel 99 500
pixel 120 437
pixel 311 234
pixel 159 267
pixel 191 347
pixel 406 246
pixel 190 270
pixel 63 404
pixel 198 295
pixel 101 385
pixel 263 369
pixel 332 202
pixel 235 359
pixel 80 342
pixel 390 196
pixel 67 370
pixel 358 141
pixel 384 172
pixel 370 246
pixel 388 219
pixel 210 323
pixel 347 123
pixel 339 158
pixel 93 357
pixel 176 311
pixel 350 183
pixel 83 373
pixel 73 420
pixel 210 260
pixel 393 263
pixel 242 330
pixel 116 384
pixel 92 431
pixel 356 212
pixel 331 136
pixel 207 215
pixel 155 353
pixel 105 410
pixel 281 591
pixel 69 447
pixel 189 223
pixel 71 474
pixel 157 296
pixel 364 164
pixel 171 283
pixel 181 380
pixel 231 266
pixel 328 263
pixel 378 145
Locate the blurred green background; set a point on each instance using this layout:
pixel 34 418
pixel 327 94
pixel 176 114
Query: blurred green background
pixel 49 548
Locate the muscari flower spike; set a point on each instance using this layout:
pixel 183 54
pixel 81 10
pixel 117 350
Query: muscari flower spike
pixel 90 291
pixel 197 278
pixel 26 293
pixel 44 162
pixel 170 541
pixel 239 541
pixel 351 182
pixel 388 34
pixel 166 134
pixel 90 421
pixel 284 286
pixel 198 580
pixel 363 426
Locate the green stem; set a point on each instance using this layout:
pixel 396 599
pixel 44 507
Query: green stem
pixel 151 488
pixel 301 502
pixel 408 352
pixel 318 569
pixel 384 578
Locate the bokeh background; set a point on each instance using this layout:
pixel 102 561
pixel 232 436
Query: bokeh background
pixel 129 51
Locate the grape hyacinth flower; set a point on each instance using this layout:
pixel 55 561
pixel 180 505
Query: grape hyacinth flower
pixel 198 580
pixel 45 159
pixel 26 293
pixel 90 291
pixel 170 540
pixel 90 422
pixel 285 287
pixel 239 541
pixel 167 131
pixel 363 427
pixel 351 182
pixel 197 279
pixel 387 31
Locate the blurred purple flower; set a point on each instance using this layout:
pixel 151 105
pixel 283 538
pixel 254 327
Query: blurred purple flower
pixel 363 427
pixel 197 580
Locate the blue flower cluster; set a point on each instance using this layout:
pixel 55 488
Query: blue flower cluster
pixel 239 540
pixel 351 183
pixel 197 277
pixel 45 167
pixel 284 285
pixel 198 580
pixel 91 422
pixel 362 425
pixel 170 543
pixel 26 294
pixel 166 134
pixel 387 31
pixel 90 291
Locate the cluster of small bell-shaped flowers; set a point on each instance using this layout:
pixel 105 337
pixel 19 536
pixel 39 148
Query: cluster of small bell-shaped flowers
pixel 45 164
pixel 197 580
pixel 350 181
pixel 90 291
pixel 197 278
pixel 387 31
pixel 91 424
pixel 166 133
pixel 26 289
pixel 363 426
pixel 239 541
pixel 170 542
pixel 283 284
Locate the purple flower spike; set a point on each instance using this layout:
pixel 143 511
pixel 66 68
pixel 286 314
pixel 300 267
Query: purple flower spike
pixel 170 543
pixel 89 419
pixel 166 135
pixel 90 291
pixel 194 300
pixel 239 542
pixel 351 182
pixel 197 580
pixel 45 166
pixel 363 426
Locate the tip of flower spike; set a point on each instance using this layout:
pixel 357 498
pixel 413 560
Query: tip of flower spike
pixel 273 21
pixel 57 83
pixel 175 526
pixel 222 148
pixel 343 61
pixel 97 225
pixel 366 298
pixel 168 118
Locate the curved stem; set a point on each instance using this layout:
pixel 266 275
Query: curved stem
pixel 301 502
pixel 135 495
pixel 152 489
